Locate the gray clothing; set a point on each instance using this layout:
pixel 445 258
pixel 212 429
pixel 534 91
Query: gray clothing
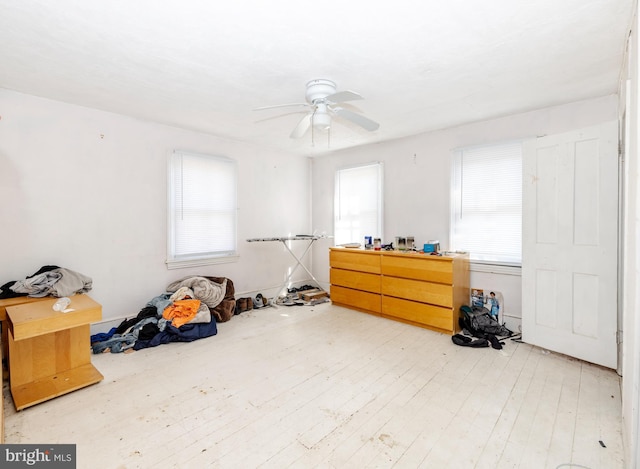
pixel 70 283
pixel 38 285
pixel 57 282
pixel 160 302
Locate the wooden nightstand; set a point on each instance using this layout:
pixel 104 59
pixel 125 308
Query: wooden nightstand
pixel 49 351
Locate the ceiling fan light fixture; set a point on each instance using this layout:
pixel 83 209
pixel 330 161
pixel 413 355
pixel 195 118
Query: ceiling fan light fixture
pixel 321 121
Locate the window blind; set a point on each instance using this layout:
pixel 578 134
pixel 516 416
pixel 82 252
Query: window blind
pixel 487 202
pixel 202 206
pixel 358 203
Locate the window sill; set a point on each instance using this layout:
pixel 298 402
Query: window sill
pixel 495 268
pixel 185 263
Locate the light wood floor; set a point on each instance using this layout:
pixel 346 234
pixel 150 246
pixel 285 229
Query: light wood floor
pixel 328 387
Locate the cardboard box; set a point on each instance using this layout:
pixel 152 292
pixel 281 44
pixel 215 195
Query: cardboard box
pixel 309 295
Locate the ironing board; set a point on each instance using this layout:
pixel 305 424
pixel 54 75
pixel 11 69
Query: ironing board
pixel 310 239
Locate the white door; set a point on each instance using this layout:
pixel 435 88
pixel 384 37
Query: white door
pixel 569 243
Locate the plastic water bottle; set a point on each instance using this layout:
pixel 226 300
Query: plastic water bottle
pixel 61 304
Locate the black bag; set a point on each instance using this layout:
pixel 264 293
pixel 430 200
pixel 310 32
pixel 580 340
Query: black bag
pixel 478 321
pixel 465 341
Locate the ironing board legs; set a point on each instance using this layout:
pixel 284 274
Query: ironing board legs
pixel 299 263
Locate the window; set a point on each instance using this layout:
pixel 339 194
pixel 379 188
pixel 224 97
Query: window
pixel 202 210
pixel 358 203
pixel 486 215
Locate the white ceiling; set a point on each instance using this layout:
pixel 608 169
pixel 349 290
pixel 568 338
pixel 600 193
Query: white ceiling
pixel 421 65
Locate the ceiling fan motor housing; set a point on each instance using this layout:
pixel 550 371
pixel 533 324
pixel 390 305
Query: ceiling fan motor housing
pixel 319 89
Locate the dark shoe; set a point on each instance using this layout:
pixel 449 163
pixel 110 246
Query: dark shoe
pixel 465 341
pixel 241 305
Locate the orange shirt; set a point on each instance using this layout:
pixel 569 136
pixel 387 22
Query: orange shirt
pixel 181 311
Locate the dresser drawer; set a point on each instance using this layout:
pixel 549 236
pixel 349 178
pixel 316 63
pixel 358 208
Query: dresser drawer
pixel 356 299
pixel 419 267
pixel 358 280
pixel 425 292
pixel 361 261
pixel 428 315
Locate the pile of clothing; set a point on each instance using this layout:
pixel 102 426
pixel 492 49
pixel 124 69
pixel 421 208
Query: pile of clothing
pixel 49 280
pixel 188 310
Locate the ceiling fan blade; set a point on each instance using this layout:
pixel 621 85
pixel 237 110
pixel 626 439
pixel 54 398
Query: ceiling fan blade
pixel 362 121
pixel 349 107
pixel 278 116
pixel 281 105
pixel 342 96
pixel 302 127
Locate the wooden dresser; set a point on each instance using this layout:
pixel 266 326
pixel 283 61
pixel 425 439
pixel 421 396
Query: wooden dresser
pixel 412 287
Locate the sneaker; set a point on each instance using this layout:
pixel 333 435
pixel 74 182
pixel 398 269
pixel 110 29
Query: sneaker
pixel 288 301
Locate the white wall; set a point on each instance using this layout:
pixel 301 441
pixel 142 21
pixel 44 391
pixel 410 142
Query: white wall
pixel 417 181
pixel 631 257
pixel 86 190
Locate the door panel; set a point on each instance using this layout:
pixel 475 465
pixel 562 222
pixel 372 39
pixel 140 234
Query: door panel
pixel 569 258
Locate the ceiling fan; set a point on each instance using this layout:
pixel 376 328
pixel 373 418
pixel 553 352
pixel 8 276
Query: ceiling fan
pixel 324 102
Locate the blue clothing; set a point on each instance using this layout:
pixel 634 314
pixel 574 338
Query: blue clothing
pixel 160 302
pixel 118 343
pixel 186 333
pixel 121 342
pixel 102 336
